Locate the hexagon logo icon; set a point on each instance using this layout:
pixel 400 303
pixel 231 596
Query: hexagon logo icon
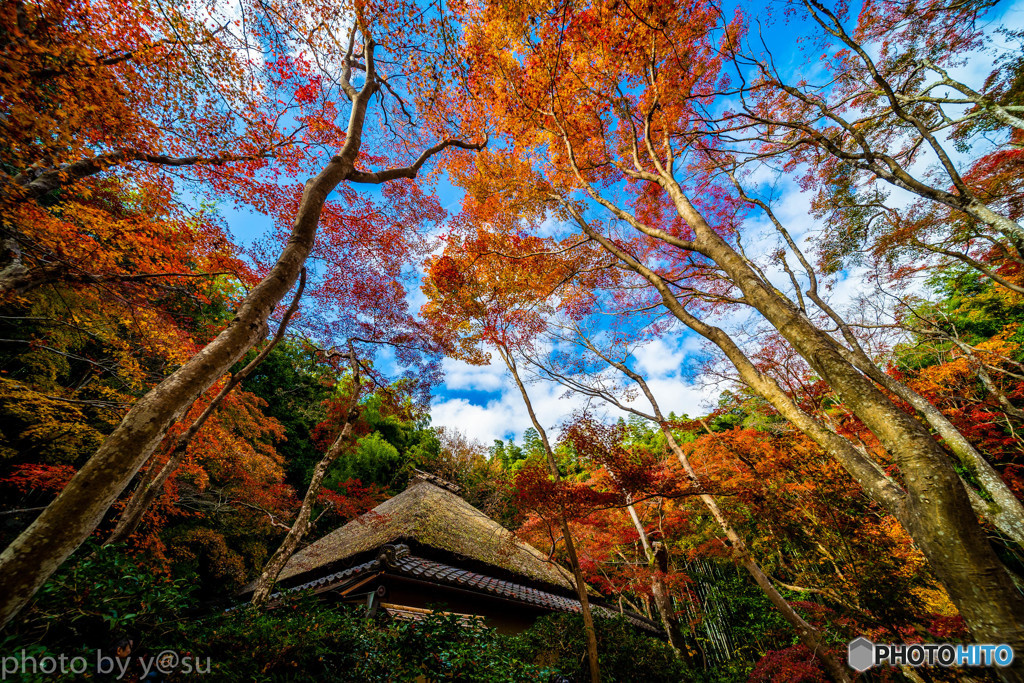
pixel 861 654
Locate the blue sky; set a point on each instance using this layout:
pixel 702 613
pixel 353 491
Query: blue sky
pixel 483 403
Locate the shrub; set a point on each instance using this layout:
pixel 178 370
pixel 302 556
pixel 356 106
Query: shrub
pixel 558 641
pixel 310 639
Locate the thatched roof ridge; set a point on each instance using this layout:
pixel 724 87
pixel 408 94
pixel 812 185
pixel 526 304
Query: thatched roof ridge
pixel 433 517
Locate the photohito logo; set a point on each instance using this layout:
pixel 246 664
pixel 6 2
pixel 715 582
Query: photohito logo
pixel 862 654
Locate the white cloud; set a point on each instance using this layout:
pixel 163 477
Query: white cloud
pixel 664 363
pixel 461 376
pixel 680 396
pixel 505 415
pixel 483 422
pixel 658 359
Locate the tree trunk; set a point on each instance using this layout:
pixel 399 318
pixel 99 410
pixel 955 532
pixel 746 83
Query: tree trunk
pixel 936 512
pixel 32 557
pixel 581 591
pixel 268 577
pixel 570 546
pixel 1008 227
pixel 149 490
pixel 662 596
pixel 663 600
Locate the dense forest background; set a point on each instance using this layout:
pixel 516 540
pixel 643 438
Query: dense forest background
pixel 180 410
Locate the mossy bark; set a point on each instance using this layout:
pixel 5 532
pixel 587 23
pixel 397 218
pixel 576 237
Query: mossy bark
pixel 149 490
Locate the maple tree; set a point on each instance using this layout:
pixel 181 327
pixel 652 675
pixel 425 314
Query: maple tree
pixel 601 108
pixel 819 545
pixel 470 310
pixel 965 361
pixel 892 108
pixel 780 493
pixel 80 506
pixel 763 470
pixel 631 473
pixel 738 548
pixel 571 368
pixel 119 95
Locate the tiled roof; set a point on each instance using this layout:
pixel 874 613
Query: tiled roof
pixel 403 564
pixel 436 572
pixel 335 579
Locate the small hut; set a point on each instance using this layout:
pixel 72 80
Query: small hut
pixel 426 549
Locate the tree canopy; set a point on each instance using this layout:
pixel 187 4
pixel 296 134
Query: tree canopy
pixel 808 213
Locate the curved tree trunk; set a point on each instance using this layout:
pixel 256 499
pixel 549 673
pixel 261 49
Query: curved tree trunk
pixel 80 507
pixel 32 557
pixel 149 490
pixel 1005 510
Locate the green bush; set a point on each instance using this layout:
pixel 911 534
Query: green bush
pixel 310 639
pixel 93 603
pixel 558 641
pixel 106 596
pixel 103 596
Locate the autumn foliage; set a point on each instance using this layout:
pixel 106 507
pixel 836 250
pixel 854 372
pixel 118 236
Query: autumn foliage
pixel 811 211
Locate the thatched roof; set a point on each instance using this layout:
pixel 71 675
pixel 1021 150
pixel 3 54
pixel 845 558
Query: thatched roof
pixel 433 517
